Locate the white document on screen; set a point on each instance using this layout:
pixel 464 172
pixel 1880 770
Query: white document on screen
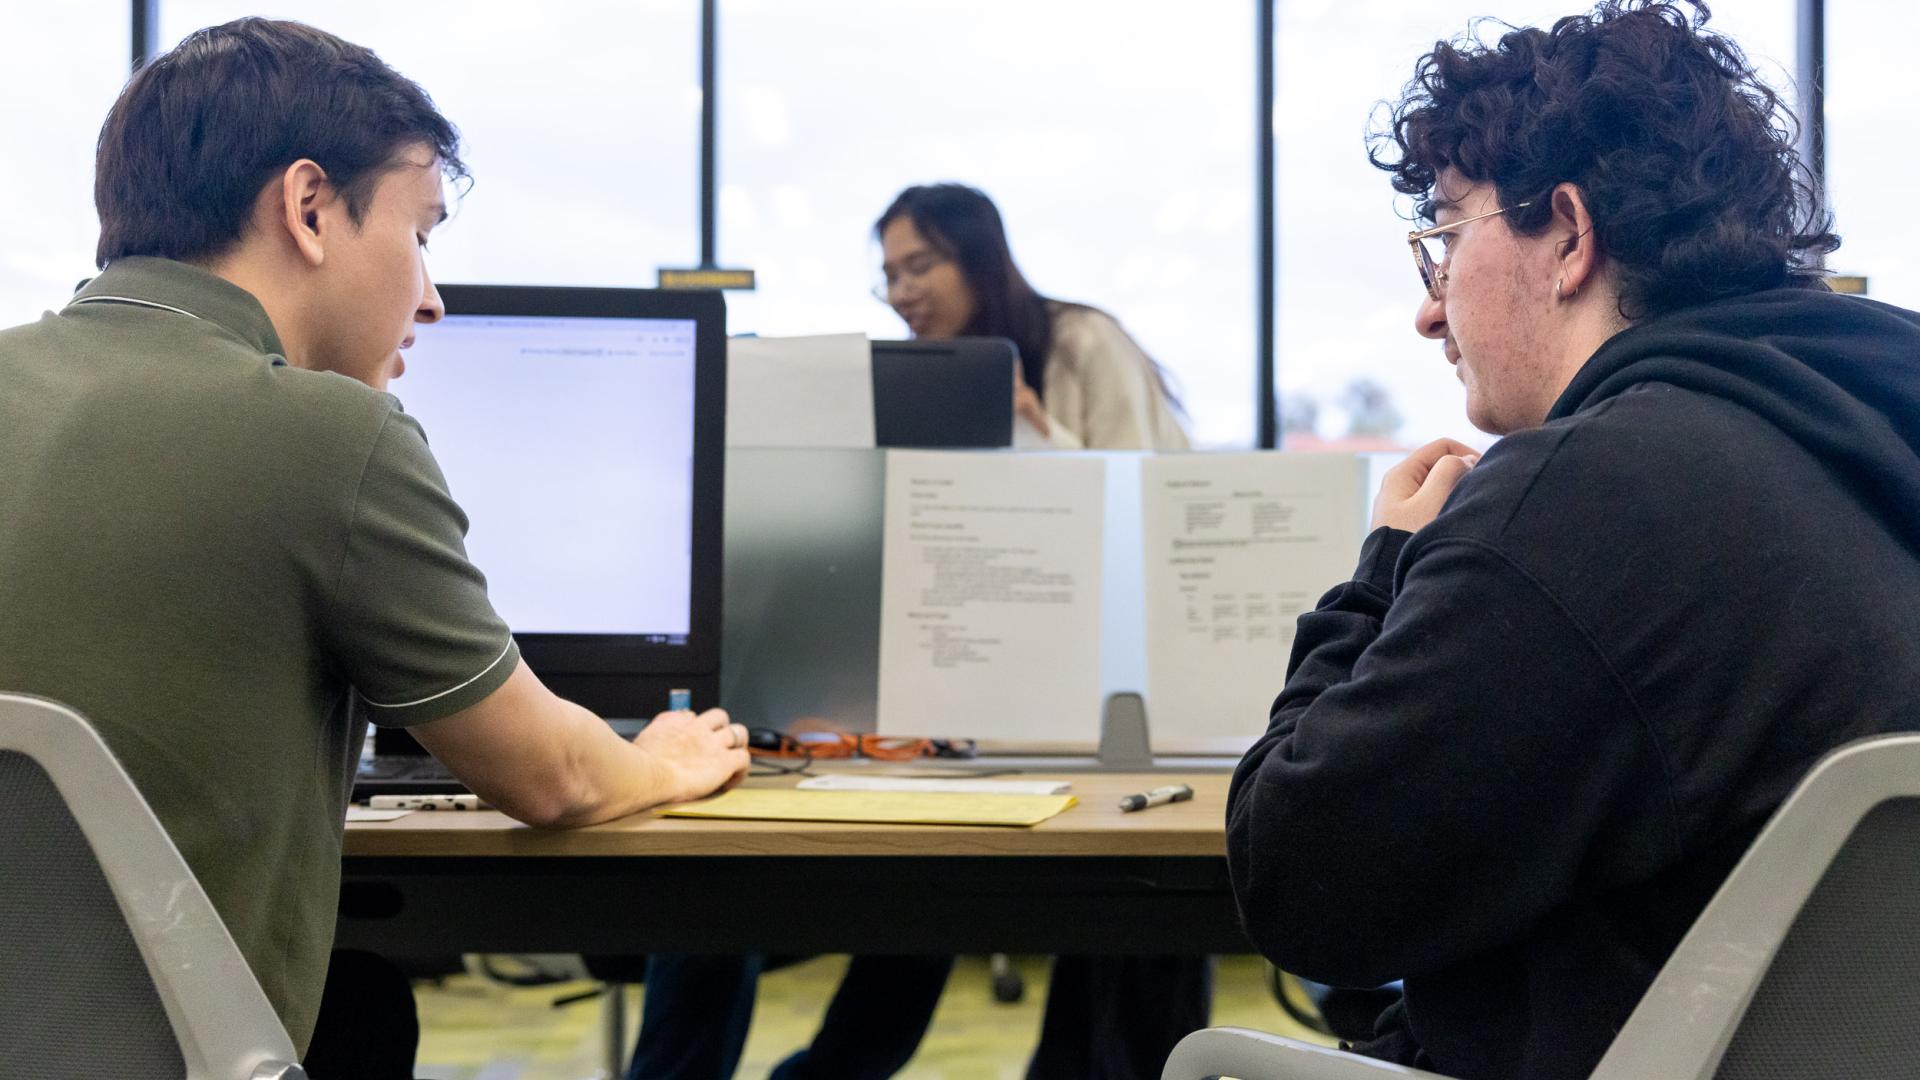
pixel 990 597
pixel 1237 546
pixel 800 392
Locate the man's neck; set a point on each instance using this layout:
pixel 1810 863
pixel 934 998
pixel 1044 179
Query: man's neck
pixel 267 285
pixel 1592 320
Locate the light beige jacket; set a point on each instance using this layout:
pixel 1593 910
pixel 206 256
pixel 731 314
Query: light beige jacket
pixel 1101 391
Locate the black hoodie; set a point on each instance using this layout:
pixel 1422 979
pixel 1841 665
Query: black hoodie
pixel 1516 755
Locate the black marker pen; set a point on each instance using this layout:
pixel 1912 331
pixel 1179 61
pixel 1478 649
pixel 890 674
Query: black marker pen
pixel 1170 793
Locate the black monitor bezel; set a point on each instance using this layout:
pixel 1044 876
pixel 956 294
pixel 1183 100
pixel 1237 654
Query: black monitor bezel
pixel 625 654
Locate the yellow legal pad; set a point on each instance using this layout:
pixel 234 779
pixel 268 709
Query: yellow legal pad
pixel 894 807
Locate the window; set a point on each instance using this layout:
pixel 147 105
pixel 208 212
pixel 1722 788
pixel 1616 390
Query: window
pixel 1352 371
pixel 1116 137
pixel 65 65
pixel 583 132
pixel 1871 157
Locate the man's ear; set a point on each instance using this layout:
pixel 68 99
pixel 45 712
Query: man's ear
pixel 304 193
pixel 1577 250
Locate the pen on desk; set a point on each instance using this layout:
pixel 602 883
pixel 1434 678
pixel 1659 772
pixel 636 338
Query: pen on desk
pixel 1170 793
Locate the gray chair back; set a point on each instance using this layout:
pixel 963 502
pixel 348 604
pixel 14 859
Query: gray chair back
pixel 1842 995
pixel 112 960
pixel 1806 964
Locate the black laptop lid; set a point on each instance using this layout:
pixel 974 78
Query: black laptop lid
pixel 956 393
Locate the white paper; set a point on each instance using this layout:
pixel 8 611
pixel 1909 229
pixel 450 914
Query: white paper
pixel 990 597
pixel 1237 546
pixel 955 785
pixel 361 813
pixel 800 391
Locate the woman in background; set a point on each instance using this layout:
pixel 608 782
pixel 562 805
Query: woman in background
pixel 1081 381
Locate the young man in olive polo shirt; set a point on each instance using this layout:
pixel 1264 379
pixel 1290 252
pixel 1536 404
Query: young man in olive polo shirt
pixel 226 554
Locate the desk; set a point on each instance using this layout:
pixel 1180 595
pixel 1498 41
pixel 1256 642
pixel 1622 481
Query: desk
pixel 1091 880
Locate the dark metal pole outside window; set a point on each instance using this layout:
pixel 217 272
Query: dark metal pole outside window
pixel 146 31
pixel 1266 387
pixel 709 133
pixel 1811 74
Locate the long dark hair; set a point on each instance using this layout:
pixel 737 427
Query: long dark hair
pixel 964 225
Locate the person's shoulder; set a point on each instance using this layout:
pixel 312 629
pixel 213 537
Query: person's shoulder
pixel 1083 334
pixel 325 429
pixel 1084 322
pixel 214 380
pixel 1639 462
pixel 309 404
pixel 331 395
pixel 22 336
pixel 1654 434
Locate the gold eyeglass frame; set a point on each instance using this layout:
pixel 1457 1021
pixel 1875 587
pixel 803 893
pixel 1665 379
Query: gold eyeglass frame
pixel 1430 273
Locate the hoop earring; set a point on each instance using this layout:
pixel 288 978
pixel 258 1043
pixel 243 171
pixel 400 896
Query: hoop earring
pixel 1560 289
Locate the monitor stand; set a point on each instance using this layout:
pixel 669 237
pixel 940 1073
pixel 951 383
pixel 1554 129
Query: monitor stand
pixel 1123 732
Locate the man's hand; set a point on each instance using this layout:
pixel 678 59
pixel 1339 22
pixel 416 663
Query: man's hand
pixel 1414 490
pixel 700 754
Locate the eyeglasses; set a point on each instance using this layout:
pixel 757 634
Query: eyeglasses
pixel 912 272
pixel 1424 257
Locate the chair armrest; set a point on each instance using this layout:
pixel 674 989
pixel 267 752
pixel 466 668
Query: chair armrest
pixel 1256 1055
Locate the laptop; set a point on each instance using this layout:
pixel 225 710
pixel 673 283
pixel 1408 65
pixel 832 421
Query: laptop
pixel 949 394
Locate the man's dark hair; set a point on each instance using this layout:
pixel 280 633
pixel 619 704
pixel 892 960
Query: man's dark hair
pixel 1685 158
pixel 199 132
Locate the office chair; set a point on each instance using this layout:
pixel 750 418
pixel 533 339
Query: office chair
pixel 112 960
pixel 1802 966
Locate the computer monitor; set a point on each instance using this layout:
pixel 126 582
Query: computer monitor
pixel 952 394
pixel 581 429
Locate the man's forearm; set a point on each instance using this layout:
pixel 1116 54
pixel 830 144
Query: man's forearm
pixel 1329 639
pixel 606 776
pixel 544 760
pixel 1407 812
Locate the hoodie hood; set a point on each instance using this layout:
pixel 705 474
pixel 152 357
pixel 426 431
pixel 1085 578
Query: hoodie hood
pixel 1839 374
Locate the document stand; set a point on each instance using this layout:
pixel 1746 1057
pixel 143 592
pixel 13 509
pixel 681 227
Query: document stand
pixel 1123 732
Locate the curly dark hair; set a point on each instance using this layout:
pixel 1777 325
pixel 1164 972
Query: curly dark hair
pixel 1685 158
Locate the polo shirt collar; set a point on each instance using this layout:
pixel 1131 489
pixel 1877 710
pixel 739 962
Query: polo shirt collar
pixel 188 290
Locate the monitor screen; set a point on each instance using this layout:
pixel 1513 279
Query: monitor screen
pixel 568 441
pixel 583 430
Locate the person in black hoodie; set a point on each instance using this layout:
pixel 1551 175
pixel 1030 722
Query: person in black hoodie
pixel 1571 678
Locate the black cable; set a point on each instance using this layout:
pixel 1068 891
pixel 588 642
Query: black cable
pixel 769 739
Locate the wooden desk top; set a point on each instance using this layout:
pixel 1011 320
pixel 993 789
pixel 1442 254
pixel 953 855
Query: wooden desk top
pixel 1093 827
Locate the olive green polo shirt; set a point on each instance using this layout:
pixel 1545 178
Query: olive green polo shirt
pixel 223 562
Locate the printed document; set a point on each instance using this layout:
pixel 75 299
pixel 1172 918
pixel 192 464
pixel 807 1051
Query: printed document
pixel 1237 546
pixel 990 596
pixel 800 391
